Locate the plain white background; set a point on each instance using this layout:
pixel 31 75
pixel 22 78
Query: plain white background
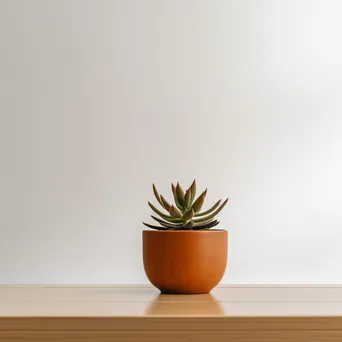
pixel 101 98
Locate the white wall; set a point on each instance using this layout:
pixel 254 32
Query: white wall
pixel 101 98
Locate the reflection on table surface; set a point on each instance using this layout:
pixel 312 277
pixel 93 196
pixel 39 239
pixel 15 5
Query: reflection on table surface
pixel 170 305
pixel 132 301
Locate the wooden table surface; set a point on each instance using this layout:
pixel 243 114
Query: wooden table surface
pixel 141 313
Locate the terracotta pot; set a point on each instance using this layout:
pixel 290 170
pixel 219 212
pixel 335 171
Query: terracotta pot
pixel 185 261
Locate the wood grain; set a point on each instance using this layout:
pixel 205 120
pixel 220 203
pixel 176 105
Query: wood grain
pixel 130 314
pixel 172 336
pixel 169 323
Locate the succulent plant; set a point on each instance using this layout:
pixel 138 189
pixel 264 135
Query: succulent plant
pixel 185 213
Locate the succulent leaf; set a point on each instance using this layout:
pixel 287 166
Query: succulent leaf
pixel 199 202
pixel 193 191
pixel 156 194
pixel 203 213
pixel 165 217
pixel 205 223
pixel 188 225
pixel 175 212
pixel 167 224
pixel 180 194
pixel 206 226
pixel 188 215
pixel 154 227
pixel 211 216
pixel 203 220
pixel 187 198
pixel 173 187
pixel 165 203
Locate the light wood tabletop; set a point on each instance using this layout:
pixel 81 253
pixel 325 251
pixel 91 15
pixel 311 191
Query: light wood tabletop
pixel 141 313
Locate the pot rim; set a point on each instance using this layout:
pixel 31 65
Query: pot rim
pixel 187 231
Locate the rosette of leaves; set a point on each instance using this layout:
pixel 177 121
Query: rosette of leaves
pixel 185 213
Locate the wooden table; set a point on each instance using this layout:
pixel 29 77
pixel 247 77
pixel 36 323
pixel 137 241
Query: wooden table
pixel 140 313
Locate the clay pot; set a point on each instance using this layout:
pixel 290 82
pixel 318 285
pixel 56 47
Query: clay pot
pixel 185 261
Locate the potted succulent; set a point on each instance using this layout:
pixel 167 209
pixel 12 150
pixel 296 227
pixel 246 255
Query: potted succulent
pixel 183 254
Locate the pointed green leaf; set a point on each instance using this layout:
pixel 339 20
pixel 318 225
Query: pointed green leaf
pixel 175 197
pixel 206 226
pixel 199 202
pixel 203 220
pixel 155 227
pixel 188 226
pixel 188 215
pixel 175 212
pixel 193 192
pixel 173 188
pixel 173 220
pixel 209 210
pixel 167 224
pixel 211 216
pixel 180 195
pixel 156 194
pixel 205 223
pixel 165 203
pixel 165 217
pixel 187 198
